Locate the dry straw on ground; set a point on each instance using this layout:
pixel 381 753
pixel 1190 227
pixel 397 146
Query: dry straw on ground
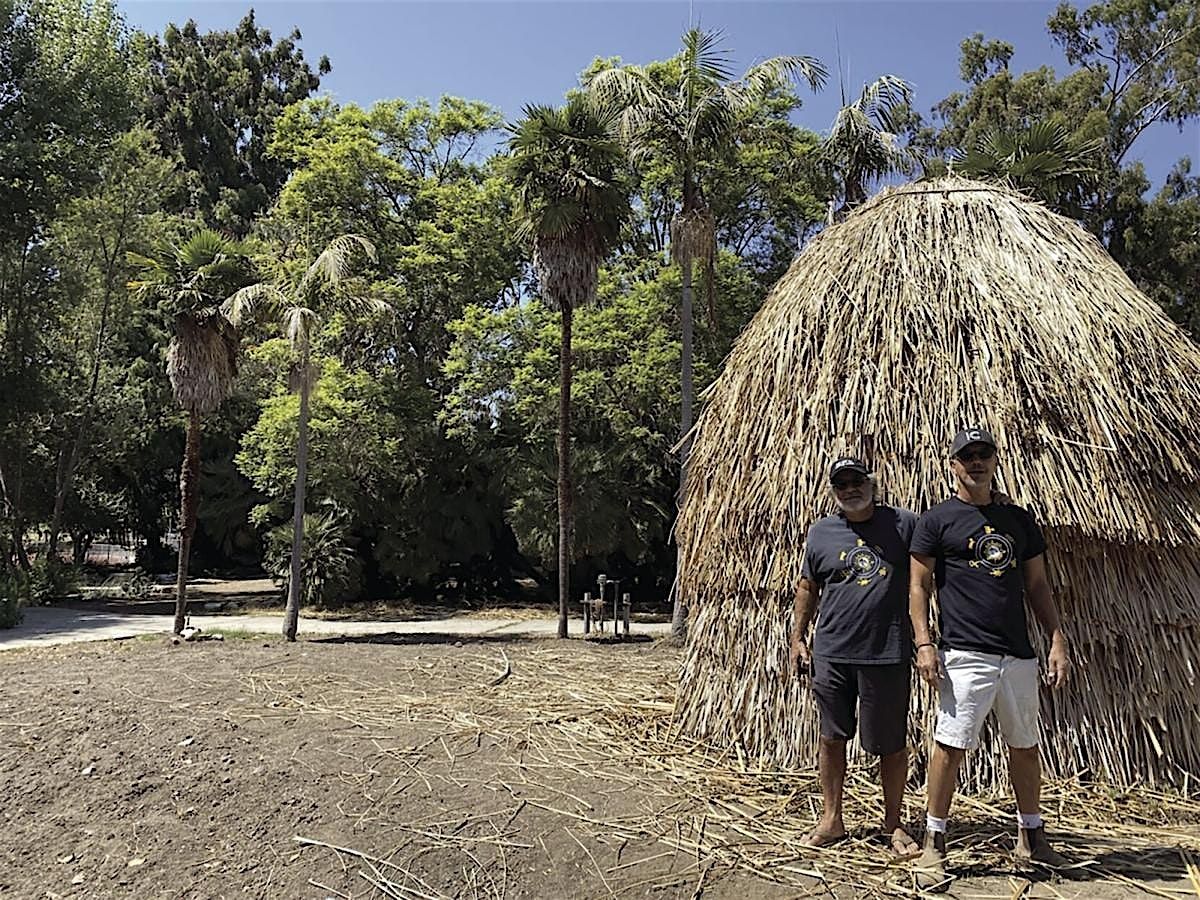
pixel 935 305
pixel 585 722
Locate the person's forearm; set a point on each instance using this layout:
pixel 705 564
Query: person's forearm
pixel 918 610
pixel 1045 611
pixel 804 609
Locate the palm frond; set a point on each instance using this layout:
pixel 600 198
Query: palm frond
pixel 298 325
pixel 332 265
pixel 367 305
pixel 243 303
pixel 780 70
pixel 704 60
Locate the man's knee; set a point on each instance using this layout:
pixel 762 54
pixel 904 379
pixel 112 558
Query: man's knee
pixel 1029 755
pixel 833 745
pixel 952 755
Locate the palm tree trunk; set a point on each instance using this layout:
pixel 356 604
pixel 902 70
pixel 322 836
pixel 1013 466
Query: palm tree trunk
pixel 189 474
pixel 564 471
pixel 685 420
pixel 291 616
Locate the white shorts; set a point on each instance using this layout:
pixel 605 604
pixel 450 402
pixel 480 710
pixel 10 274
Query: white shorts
pixel 973 685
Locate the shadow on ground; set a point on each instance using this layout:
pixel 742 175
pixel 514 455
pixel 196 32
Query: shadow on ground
pixel 1155 863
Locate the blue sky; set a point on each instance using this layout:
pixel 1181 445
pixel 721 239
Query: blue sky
pixel 509 54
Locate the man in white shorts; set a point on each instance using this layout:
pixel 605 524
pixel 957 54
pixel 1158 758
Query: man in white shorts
pixel 989 562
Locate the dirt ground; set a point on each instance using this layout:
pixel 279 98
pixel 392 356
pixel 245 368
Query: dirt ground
pixel 340 768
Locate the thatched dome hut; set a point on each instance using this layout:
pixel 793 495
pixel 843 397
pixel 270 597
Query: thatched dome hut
pixel 934 305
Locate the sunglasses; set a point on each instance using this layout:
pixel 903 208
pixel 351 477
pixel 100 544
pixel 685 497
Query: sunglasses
pixel 976 455
pixel 844 484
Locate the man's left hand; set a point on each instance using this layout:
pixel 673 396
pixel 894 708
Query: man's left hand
pixel 1058 664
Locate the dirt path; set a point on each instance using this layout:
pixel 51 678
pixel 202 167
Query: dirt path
pixel 47 626
pixel 528 769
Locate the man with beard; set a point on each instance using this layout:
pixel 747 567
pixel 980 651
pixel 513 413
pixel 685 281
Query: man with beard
pixel 855 570
pixel 989 562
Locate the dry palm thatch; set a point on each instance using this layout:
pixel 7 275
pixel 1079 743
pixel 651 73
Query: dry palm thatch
pixel 934 305
pixel 202 361
pixel 567 267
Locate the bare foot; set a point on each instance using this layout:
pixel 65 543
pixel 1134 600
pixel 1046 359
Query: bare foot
pixel 903 845
pixel 820 837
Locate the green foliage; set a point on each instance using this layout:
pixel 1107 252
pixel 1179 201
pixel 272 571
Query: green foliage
pixel 409 178
pixel 863 144
pixel 1067 138
pixel 214 100
pixel 14 596
pixel 691 111
pixel 625 397
pixel 190 281
pixel 49 580
pixel 328 565
pixel 1046 161
pixel 566 165
pixel 433 428
pixel 418 506
pixel 1163 242
pixel 65 92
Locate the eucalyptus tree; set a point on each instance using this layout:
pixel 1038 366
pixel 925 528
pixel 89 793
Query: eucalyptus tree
pixel 299 296
pixel 567 164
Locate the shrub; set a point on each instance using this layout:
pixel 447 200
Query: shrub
pixel 14 594
pixel 331 570
pixel 50 579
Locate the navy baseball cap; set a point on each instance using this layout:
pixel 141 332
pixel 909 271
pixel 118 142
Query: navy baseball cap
pixel 848 464
pixel 971 435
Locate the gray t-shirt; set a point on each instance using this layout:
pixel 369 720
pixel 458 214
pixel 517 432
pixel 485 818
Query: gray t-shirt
pixel 861 570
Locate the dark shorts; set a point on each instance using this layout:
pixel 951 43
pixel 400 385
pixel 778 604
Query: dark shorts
pixel 880 694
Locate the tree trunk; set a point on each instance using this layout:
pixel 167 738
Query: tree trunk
pixel 69 460
pixel 62 481
pixel 564 471
pixel 678 629
pixel 291 615
pixel 19 552
pixel 189 476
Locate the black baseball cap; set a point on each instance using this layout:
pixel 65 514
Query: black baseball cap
pixel 973 434
pixel 848 464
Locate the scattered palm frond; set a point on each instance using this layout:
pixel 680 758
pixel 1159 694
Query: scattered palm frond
pixel 934 305
pixel 583 723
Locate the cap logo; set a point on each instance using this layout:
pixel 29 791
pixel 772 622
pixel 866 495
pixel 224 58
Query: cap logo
pixel 974 435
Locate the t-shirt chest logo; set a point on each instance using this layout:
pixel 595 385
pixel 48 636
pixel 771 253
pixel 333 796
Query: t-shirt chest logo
pixel 993 551
pixel 862 563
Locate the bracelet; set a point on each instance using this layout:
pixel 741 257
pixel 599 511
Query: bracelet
pixel 926 644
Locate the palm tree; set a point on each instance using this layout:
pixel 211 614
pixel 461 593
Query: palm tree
pixel 190 281
pixel 693 121
pixel 567 163
pixel 299 300
pixel 1045 161
pixel 862 144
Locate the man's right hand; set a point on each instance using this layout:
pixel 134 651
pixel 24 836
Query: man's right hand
pixel 800 658
pixel 929 666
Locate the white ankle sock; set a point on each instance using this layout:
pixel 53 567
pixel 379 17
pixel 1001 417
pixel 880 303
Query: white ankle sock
pixel 933 823
pixel 1029 820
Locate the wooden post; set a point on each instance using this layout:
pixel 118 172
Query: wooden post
pixel 587 612
pixel 626 604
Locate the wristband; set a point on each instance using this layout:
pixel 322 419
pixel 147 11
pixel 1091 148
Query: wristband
pixel 926 644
